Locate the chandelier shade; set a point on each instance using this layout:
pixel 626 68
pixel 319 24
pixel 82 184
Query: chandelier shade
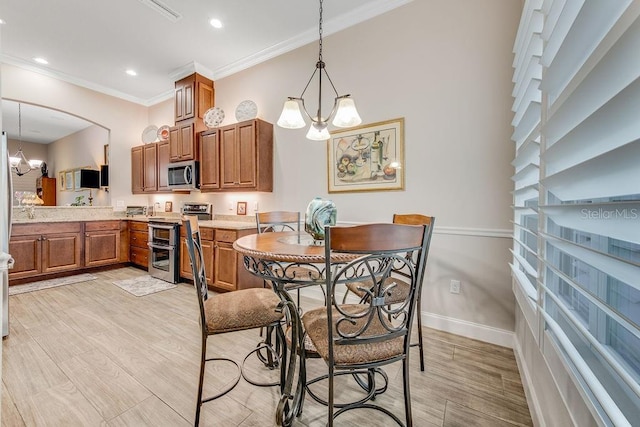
pixel 343 113
pixel 19 163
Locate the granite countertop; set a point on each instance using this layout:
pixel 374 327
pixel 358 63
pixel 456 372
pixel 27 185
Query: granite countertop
pixel 43 214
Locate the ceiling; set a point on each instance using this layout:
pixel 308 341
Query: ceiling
pixel 92 43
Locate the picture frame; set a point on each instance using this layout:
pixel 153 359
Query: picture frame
pixel 68 180
pixel 168 206
pixel 76 179
pixel 61 180
pixel 242 208
pixel 367 158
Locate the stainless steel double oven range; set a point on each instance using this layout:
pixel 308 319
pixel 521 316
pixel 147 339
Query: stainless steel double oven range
pixel 164 242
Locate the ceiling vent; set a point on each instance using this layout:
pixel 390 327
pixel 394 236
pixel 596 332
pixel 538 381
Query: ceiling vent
pixel 163 9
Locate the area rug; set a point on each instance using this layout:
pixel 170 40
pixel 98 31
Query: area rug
pixel 51 283
pixel 143 285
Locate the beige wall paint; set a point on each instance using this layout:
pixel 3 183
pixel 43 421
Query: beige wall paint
pixel 81 149
pixel 125 120
pixel 445 66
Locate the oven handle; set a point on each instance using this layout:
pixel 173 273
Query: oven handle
pixel 157 246
pixel 162 227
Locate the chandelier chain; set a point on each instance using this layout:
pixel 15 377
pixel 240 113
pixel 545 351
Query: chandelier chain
pixel 320 35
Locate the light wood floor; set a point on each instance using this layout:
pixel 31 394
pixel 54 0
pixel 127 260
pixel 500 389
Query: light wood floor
pixel 90 354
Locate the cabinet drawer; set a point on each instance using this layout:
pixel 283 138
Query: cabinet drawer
pixel 140 256
pixel 205 233
pixel 229 236
pixel 45 228
pixel 138 225
pixel 102 225
pixel 139 239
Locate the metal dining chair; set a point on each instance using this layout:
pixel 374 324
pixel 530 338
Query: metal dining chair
pixel 359 339
pixel 278 221
pixel 228 312
pixel 400 291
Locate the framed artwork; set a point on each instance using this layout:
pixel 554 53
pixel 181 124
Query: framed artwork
pixel 61 180
pixel 168 206
pixel 242 208
pixel 76 179
pixel 68 180
pixel 367 158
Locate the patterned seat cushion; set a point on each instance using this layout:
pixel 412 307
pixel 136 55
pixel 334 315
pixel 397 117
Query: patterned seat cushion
pixel 243 309
pixel 399 293
pixel 315 324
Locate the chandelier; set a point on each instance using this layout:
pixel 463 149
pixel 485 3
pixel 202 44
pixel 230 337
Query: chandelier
pixel 343 113
pixel 19 163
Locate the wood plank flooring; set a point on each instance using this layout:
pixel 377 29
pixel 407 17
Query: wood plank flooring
pixel 90 354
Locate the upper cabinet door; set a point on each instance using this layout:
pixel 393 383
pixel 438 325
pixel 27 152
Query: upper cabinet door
pixel 209 161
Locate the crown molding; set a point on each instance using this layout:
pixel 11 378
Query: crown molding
pixel 356 16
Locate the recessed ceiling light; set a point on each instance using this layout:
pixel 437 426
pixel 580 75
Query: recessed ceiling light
pixel 41 61
pixel 132 72
pixel 215 23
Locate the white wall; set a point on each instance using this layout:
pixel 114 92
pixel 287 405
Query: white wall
pixel 445 66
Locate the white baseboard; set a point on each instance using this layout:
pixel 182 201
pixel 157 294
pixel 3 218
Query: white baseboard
pixel 464 328
pixel 468 329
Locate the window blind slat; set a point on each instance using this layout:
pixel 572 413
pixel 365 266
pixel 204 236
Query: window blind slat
pixel 623 271
pixel 524 283
pixel 619 68
pixel 616 220
pixel 529 153
pixel 594 136
pixel 553 10
pixel 607 403
pixel 533 71
pixel 593 21
pixel 557 27
pixel 531 94
pixel 526 176
pixel 596 178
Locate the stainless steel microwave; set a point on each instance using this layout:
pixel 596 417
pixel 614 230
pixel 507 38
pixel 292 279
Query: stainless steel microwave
pixel 183 175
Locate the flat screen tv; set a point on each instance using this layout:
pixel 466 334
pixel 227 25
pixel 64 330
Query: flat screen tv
pixel 89 178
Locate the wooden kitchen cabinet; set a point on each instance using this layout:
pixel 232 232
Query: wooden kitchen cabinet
pixel 148 168
pixel 206 239
pixel 40 248
pixel 144 169
pixel 182 142
pixel 246 156
pixel 194 95
pixel 46 190
pixel 101 243
pixel 229 272
pixel 163 163
pixel 209 160
pixel 138 240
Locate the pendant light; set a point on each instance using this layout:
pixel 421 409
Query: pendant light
pixel 343 113
pixel 19 163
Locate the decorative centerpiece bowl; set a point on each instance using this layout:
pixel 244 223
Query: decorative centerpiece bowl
pixel 320 213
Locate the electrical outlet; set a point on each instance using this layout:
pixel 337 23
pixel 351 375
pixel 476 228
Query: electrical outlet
pixel 255 206
pixel 454 287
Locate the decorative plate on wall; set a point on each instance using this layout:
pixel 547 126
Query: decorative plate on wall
pixel 150 134
pixel 213 117
pixel 163 133
pixel 246 110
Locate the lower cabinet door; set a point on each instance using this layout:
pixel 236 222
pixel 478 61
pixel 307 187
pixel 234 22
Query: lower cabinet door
pixel 61 252
pixel 101 248
pixel 185 262
pixel 25 251
pixel 226 266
